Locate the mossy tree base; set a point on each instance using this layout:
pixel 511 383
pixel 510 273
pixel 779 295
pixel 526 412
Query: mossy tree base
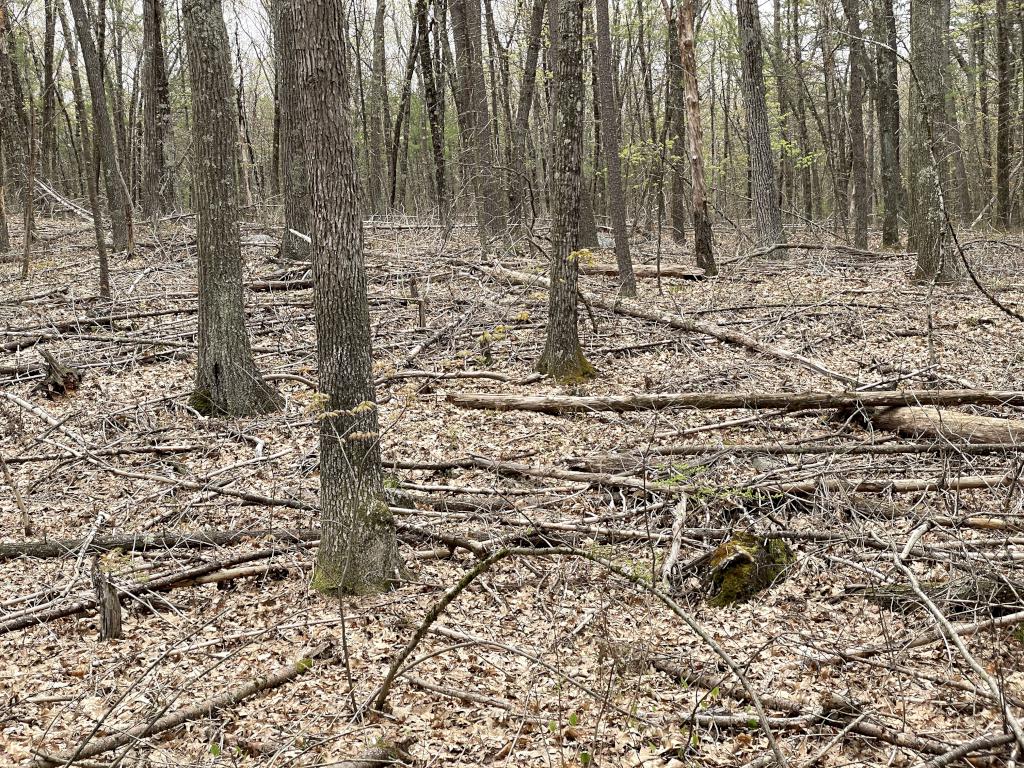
pixel 572 368
pixel 743 566
pixel 358 553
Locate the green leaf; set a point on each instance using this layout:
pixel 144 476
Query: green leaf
pixel 585 758
pixel 574 719
pixel 215 750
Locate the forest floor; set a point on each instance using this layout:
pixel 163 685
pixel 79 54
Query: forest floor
pixel 543 660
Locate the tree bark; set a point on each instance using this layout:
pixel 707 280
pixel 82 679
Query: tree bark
pixel 887 104
pixel 227 381
pixel 610 130
pixel 358 550
pixel 928 167
pixel 855 99
pixel 120 204
pixel 702 234
pixel 48 126
pixel 527 89
pixel 675 116
pixel 927 421
pixel 562 357
pixel 767 214
pixel 157 174
pixel 434 98
pixel 1004 123
pixel 294 178
pixel 475 121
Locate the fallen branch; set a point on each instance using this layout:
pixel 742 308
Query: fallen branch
pixel 921 421
pixel 205 708
pixel 559 404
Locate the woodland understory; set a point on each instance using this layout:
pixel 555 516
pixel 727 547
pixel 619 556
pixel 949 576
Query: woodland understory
pixel 574 649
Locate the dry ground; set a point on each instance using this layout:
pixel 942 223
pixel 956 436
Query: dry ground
pixel 541 662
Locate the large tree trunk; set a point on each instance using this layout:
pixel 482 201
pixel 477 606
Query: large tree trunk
pixel 227 380
pixel 929 56
pixel 294 179
pixel 358 548
pixel 767 214
pixel 610 138
pixel 12 102
pixel 158 172
pixel 675 117
pixel 928 421
pixel 855 94
pixel 702 237
pixel 475 120
pixel 563 357
pixel 120 204
pixel 887 104
pixel 380 112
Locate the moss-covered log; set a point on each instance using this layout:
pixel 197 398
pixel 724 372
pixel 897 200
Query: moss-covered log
pixel 743 566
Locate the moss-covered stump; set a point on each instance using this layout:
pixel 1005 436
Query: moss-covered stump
pixel 744 565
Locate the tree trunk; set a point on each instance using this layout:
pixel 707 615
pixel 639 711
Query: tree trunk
pixel 475 120
pixel 767 214
pixel 563 357
pixel 157 174
pixel 675 116
pixel 520 167
pixel 434 98
pixel 88 154
pixel 48 126
pixel 227 381
pixel 855 92
pixel 120 204
pixel 5 235
pixel 887 104
pixel 702 236
pixel 929 57
pixel 294 179
pixel 1004 123
pixel 358 550
pixel 610 138
pixel 379 113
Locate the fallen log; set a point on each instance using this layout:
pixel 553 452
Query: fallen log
pixel 925 421
pixel 560 404
pixel 631 309
pixel 204 708
pixel 646 271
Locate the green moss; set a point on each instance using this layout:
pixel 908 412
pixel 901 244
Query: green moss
pixel 201 401
pixel 575 369
pixel 743 566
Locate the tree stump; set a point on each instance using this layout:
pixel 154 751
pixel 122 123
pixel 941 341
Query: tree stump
pixel 60 379
pixel 743 566
pixel 108 603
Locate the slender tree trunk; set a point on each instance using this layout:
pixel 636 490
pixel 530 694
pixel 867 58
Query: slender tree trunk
pixel 434 98
pixel 358 550
pixel 563 357
pixel 520 131
pixel 702 235
pixel 1004 123
pixel 5 234
pixel 28 201
pixel 675 117
pixel 929 60
pixel 401 120
pixel 120 203
pixel 887 104
pixel 855 92
pixel 157 175
pixel 12 101
pixel 379 113
pixel 767 214
pixel 227 381
pixel 610 130
pixel 48 126
pixel 475 120
pixel 294 178
pixel 88 155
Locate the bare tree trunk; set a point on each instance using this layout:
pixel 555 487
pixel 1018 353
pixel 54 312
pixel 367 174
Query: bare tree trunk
pixel 157 176
pixel 855 93
pixel 610 138
pixel 294 178
pixel 928 168
pixel 1003 121
pixel 227 381
pixel 434 98
pixel 120 205
pixel 379 109
pixel 476 121
pixel 88 154
pixel 675 118
pixel 887 103
pixel 520 131
pixel 12 102
pixel 48 126
pixel 767 214
pixel 28 206
pixel 702 235
pixel 358 550
pixel 5 235
pixel 563 357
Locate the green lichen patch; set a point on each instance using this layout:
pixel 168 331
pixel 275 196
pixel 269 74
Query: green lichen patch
pixel 743 566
